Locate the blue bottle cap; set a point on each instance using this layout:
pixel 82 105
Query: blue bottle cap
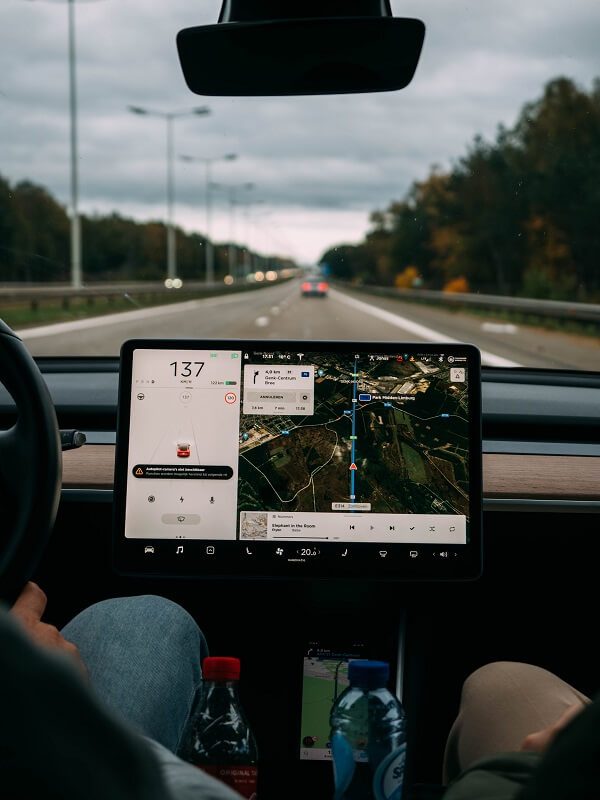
pixel 368 674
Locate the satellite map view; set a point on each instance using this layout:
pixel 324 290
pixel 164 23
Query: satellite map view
pixel 389 434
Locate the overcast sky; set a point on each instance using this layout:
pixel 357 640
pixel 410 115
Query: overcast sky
pixel 319 165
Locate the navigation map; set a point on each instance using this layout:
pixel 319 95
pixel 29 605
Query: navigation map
pixel 324 679
pixel 389 434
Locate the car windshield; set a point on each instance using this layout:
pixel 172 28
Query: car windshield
pixel 463 208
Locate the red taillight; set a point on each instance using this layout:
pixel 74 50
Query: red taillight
pixel 306 287
pixel 323 287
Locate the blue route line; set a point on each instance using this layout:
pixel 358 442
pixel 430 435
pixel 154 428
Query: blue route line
pixel 353 440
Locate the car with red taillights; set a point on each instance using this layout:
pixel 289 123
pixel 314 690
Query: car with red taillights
pixel 314 286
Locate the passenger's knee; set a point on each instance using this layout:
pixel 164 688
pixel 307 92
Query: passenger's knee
pixel 495 679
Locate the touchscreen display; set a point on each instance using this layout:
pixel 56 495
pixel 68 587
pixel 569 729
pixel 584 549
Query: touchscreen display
pixel 300 450
pixel 324 678
pixel 325 665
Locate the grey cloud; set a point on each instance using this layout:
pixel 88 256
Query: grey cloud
pixel 480 63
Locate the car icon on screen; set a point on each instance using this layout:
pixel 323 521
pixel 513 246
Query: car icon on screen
pixel 183 449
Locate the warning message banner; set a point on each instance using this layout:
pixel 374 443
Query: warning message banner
pixel 180 471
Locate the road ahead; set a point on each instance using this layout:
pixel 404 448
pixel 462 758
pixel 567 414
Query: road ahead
pixel 279 312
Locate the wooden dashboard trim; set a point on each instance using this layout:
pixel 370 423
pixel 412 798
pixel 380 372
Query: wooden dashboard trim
pixel 504 475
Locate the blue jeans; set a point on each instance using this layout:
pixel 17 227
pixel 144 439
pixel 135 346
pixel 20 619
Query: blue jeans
pixel 143 656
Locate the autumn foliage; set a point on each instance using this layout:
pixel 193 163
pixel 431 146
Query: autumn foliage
pixel 457 285
pixel 407 278
pixel 516 216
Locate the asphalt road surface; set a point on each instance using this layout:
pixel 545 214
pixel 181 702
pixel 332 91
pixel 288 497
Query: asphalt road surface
pixel 280 312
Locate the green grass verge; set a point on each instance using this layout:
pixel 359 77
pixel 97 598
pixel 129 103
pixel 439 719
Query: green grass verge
pixel 549 323
pixel 20 315
pixel 499 315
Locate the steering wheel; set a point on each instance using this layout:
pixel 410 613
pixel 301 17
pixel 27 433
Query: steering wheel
pixel 30 467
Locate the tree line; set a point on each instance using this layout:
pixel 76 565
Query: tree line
pixel 35 244
pixel 516 216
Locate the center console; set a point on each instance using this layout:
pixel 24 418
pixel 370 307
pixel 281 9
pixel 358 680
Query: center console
pixel 283 466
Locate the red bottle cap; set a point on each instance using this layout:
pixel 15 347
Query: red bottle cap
pixel 221 668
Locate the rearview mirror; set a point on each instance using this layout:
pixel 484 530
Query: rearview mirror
pixel 320 55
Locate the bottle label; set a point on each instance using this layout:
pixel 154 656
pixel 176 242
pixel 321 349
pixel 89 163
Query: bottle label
pixel 241 778
pixel 343 764
pixel 389 776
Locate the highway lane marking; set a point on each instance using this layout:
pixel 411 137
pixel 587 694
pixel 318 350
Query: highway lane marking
pixel 59 328
pixel 262 322
pixel 499 327
pixel 425 333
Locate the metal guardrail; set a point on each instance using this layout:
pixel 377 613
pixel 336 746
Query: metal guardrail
pixel 36 294
pixel 555 309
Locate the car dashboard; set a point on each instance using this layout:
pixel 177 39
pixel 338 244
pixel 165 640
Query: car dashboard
pixel 541 432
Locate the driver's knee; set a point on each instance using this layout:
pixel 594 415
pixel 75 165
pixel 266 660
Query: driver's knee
pixel 132 607
pixel 143 628
pixel 143 655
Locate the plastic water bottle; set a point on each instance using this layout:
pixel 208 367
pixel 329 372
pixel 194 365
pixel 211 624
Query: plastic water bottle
pixel 368 736
pixel 218 738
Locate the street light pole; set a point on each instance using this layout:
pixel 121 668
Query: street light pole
pixel 209 252
pixel 171 250
pixel 232 256
pixel 248 254
pixel 75 222
pixel 169 117
pixel 232 209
